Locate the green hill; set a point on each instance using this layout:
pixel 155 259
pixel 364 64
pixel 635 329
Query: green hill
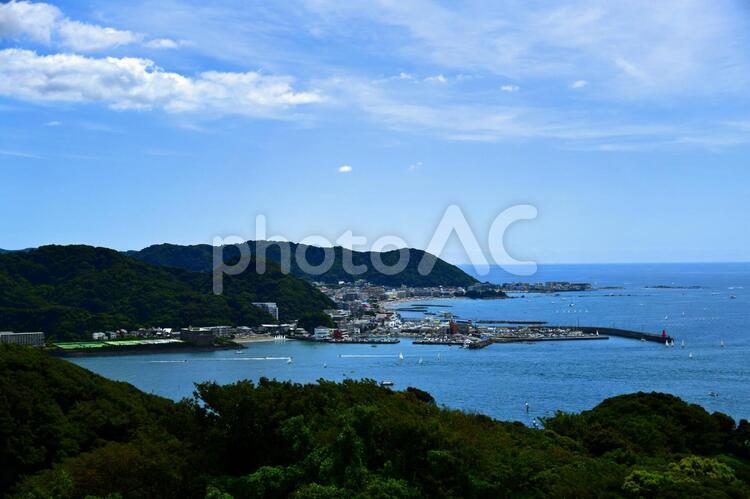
pixel 68 433
pixel 199 258
pixel 70 291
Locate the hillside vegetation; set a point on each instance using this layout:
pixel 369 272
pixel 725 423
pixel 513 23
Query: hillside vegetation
pixel 199 258
pixel 68 433
pixel 70 291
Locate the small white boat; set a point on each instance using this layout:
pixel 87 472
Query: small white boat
pixel 722 343
pixel 400 356
pixel 683 344
pixel 420 361
pixel 325 365
pixel 690 355
pixel 289 360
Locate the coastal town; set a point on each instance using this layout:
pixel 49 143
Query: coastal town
pixel 363 313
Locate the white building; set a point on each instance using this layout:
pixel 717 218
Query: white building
pixel 99 336
pixel 35 339
pixel 269 307
pixel 322 333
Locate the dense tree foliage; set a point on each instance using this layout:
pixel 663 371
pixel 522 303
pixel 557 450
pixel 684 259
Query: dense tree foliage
pixel 199 258
pixel 68 433
pixel 70 291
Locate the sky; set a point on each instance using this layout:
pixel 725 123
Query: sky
pixel 626 124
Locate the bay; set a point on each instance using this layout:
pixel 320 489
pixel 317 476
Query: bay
pixel 703 304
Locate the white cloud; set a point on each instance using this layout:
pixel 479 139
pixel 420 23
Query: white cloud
pixel 436 79
pixel 162 43
pixel 578 84
pixel 89 37
pixel 345 169
pixel 510 88
pixel 53 123
pixel 415 166
pixel 45 23
pixel 28 20
pixel 132 83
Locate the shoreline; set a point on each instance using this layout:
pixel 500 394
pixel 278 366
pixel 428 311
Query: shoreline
pixel 254 339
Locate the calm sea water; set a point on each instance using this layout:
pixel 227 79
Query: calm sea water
pixel 498 380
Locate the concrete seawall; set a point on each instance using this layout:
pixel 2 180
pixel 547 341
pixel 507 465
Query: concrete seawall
pixel 624 333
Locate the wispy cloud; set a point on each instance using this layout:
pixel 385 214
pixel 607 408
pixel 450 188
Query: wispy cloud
pixel 670 51
pixel 19 154
pixel 345 169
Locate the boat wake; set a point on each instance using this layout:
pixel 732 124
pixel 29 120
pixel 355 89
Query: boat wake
pixel 221 359
pixel 363 356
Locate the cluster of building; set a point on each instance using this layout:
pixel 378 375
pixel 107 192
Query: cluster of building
pixel 34 339
pixel 360 314
pixel 362 296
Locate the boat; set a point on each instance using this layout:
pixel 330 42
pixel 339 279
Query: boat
pixel 420 361
pixel 325 364
pixel 400 356
pixel 683 344
pixel 289 360
pixel 690 355
pixel 722 343
pixel 238 352
pixel 713 394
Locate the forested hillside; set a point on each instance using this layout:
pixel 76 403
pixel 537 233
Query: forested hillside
pixel 69 291
pixel 200 258
pixel 68 433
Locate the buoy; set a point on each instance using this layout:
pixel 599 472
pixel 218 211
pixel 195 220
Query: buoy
pixel 527 406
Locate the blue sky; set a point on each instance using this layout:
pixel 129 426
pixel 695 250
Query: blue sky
pixel 627 124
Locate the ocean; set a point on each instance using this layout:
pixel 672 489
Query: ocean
pixel 704 305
